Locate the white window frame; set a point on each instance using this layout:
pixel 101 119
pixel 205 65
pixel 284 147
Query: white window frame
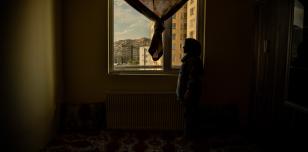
pixel 167 69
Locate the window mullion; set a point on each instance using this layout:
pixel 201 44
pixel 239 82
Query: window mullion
pixel 167 40
pixel 200 26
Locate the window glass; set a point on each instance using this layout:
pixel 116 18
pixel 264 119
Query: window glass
pixel 132 33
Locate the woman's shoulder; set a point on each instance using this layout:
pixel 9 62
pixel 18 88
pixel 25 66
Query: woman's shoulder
pixel 194 60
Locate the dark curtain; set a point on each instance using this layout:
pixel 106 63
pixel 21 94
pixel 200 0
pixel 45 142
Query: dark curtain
pixel 157 11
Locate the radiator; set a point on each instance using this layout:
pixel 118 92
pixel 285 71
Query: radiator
pixel 144 111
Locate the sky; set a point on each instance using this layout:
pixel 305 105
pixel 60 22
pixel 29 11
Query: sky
pixel 128 23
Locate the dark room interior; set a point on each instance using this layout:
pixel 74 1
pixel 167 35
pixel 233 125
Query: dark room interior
pixel 72 81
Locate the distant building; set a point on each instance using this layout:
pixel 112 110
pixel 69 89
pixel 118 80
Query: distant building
pixel 183 26
pixel 145 57
pixel 179 26
pixel 192 9
pixel 127 51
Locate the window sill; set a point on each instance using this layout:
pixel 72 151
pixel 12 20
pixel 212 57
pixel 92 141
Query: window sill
pixel 144 73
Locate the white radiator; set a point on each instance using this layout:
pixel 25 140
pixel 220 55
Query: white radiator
pixel 144 111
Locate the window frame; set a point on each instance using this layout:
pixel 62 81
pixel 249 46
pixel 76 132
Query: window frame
pixel 167 69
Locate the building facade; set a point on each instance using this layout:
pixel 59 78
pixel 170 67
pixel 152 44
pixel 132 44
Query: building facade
pixel 183 26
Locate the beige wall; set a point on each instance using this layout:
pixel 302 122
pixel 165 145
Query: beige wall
pixel 228 53
pixel 30 57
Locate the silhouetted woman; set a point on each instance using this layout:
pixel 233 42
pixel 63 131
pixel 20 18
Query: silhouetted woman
pixel 189 85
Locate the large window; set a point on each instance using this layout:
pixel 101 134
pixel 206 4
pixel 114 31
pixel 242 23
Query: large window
pixel 130 36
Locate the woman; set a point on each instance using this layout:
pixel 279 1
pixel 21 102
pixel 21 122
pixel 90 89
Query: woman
pixel 190 84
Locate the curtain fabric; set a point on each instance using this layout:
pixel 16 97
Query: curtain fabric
pixel 157 11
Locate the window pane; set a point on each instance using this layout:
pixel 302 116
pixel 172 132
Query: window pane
pixel 187 27
pixel 132 37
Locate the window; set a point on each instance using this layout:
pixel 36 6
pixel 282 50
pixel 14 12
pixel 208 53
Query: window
pixel 173 25
pixel 192 11
pixel 192 22
pixel 130 38
pixel 192 35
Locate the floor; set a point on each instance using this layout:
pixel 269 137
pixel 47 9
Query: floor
pixel 146 141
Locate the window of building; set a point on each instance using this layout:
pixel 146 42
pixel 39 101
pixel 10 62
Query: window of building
pixel 191 34
pixel 130 38
pixel 173 25
pixel 185 15
pixel 192 23
pixel 192 11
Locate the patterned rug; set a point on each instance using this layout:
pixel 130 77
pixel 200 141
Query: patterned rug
pixel 144 141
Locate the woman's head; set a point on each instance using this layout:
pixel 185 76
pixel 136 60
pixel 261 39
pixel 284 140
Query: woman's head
pixel 192 46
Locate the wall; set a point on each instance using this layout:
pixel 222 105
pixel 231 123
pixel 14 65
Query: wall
pixel 228 52
pixel 85 58
pixel 29 51
pixel 229 37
